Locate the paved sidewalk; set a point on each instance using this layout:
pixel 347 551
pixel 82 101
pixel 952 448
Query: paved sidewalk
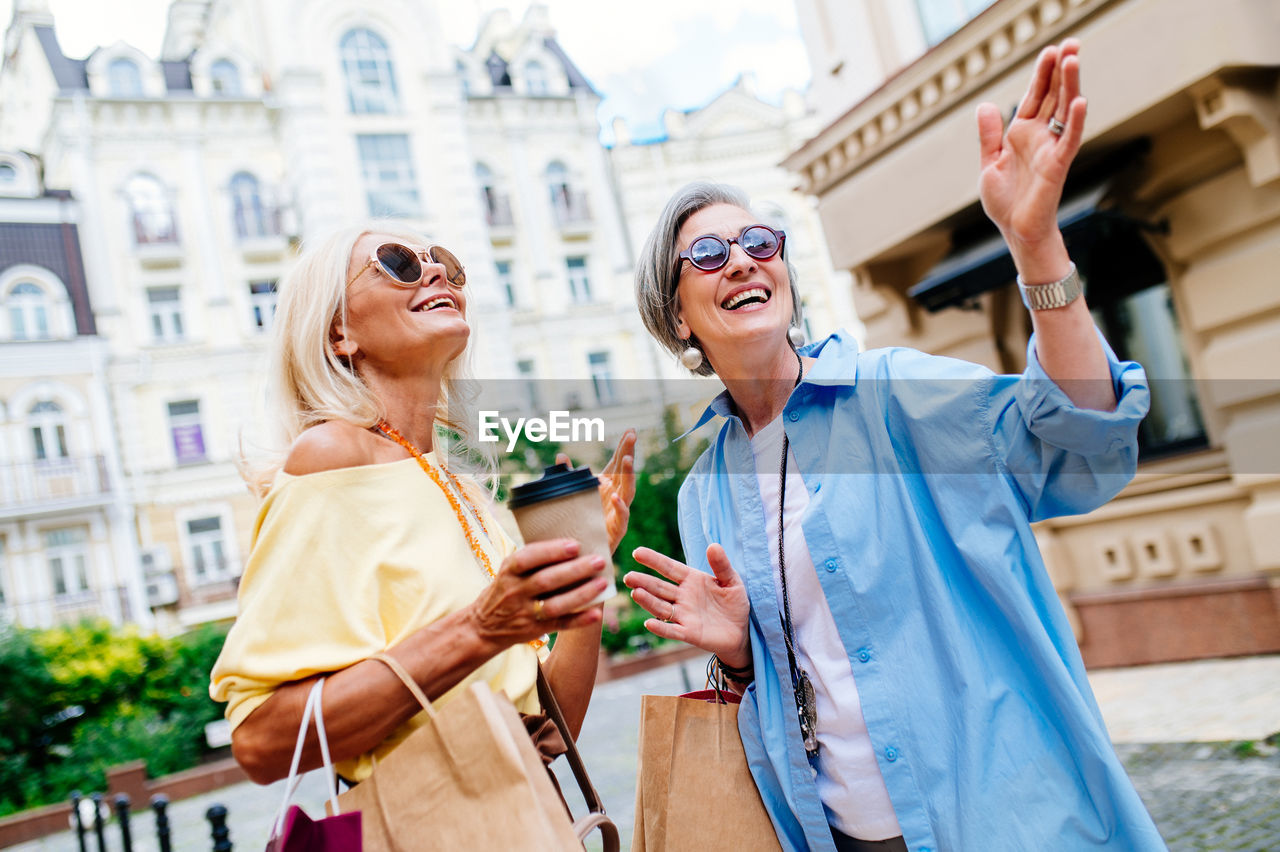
pixel 1190 734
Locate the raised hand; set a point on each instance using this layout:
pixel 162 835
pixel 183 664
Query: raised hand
pixel 1025 167
pixel 709 611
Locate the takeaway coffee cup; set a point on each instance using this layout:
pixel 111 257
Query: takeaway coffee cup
pixel 565 503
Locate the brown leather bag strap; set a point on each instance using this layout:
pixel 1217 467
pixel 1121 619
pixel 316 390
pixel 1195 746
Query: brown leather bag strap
pixel 608 831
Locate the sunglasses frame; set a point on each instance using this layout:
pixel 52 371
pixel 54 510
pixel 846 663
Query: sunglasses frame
pixel 374 260
pixel 728 246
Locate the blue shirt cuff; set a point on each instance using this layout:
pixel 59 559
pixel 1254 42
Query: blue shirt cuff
pixel 1051 416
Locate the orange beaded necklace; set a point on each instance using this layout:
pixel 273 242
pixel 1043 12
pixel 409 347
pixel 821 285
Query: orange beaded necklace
pixel 452 494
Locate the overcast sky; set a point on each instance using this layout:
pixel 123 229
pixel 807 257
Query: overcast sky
pixel 642 56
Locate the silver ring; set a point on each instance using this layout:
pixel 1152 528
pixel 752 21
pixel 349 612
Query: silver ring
pixel 1056 127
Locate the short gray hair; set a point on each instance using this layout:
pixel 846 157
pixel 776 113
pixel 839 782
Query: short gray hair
pixel 656 276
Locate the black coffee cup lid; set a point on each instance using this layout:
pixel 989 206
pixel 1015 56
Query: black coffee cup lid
pixel 558 480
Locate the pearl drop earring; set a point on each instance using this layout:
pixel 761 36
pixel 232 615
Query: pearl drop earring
pixel 691 358
pixel 796 335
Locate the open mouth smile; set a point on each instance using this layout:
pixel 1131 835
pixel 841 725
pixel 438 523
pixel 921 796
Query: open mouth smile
pixel 441 301
pixel 742 298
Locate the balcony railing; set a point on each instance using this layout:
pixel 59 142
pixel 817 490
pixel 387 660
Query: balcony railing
pixel 571 209
pixel 259 222
pixel 497 211
pixel 150 229
pixel 109 602
pixel 31 485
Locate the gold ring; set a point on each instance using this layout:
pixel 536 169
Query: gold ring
pixel 539 609
pixel 671 614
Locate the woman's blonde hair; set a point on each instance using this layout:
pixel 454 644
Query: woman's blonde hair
pixel 309 383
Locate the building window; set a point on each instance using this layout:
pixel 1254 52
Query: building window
pixel 391 186
pixel 48 431
pixel 165 307
pixel 497 208
pixel 940 18
pixel 1142 326
pixel 3 599
pixel 505 282
pixel 262 301
pixel 558 185
pixel 579 281
pixel 207 549
pixel 529 375
pixel 224 78
pixel 8 174
pixel 371 81
pixel 67 554
pixel 252 217
pixel 601 377
pixel 153 220
pixel 186 431
pixel 124 80
pixel 28 306
pixel 535 79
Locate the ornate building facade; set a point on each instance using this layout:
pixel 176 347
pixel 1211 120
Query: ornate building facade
pixel 1172 214
pixel 198 174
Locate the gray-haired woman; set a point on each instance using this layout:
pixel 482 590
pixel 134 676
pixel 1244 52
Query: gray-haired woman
pixel 869 578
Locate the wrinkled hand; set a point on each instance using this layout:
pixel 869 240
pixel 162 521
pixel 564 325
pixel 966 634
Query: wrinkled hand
pixel 507 611
pixel 1023 170
pixel 709 611
pixel 617 487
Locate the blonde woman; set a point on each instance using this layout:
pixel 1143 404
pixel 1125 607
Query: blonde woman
pixel 368 540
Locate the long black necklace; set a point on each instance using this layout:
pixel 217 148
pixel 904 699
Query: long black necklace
pixel 802 687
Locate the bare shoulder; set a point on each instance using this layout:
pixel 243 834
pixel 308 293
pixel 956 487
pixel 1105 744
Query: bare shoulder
pixel 331 445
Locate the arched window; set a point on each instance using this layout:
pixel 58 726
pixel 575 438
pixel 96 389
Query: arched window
pixel 460 68
pixel 48 431
pixel 497 211
pixel 558 184
pixel 371 81
pixel 249 211
pixel 152 213
pixel 535 78
pixel 8 174
pixel 224 78
pixel 28 306
pixel 124 80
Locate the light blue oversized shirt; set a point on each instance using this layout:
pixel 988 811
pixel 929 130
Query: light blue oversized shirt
pixel 924 474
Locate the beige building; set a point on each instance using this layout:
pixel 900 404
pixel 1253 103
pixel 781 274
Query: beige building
pixel 67 544
pixel 1172 213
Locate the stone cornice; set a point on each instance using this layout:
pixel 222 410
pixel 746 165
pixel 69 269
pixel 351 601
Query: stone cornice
pixel 1007 33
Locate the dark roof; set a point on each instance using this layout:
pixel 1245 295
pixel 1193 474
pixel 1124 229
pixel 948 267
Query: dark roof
pixel 576 78
pixel 177 75
pixel 67 73
pixel 56 247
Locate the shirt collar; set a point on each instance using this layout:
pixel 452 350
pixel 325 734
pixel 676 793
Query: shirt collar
pixel 836 364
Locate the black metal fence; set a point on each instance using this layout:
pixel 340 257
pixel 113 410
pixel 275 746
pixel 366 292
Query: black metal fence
pixel 97 829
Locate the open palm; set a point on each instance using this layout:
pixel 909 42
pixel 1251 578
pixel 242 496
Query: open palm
pixel 1023 169
pixel 709 611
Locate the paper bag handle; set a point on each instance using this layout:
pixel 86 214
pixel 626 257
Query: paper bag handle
pixel 596 818
pixel 407 679
pixel 312 709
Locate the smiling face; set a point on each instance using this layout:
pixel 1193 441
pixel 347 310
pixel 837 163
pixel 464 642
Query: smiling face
pixel 391 327
pixel 747 302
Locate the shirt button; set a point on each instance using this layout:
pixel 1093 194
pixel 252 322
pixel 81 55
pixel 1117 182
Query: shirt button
pixel 864 654
pixel 891 754
pixel 831 565
pixel 795 415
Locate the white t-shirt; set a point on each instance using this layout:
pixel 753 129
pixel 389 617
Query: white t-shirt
pixel 849 781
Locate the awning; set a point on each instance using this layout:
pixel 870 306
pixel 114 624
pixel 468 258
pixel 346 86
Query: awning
pixel 986 264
